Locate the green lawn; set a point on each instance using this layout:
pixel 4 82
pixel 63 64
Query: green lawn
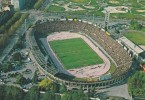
pixel 90 2
pixel 79 1
pixel 54 8
pixel 136 37
pixel 75 53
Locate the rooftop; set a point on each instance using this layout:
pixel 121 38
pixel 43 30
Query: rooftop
pixel 131 45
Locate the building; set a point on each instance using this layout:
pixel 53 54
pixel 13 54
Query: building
pixel 5 5
pixel 6 13
pixel 18 4
pixel 133 49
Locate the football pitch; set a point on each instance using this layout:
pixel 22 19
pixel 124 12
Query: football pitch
pixel 75 53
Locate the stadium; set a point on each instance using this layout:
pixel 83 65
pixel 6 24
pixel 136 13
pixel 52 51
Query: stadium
pixel 77 53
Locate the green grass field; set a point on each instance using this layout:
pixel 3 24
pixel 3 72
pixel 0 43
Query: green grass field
pixel 75 53
pixel 58 6
pixel 54 8
pixel 79 1
pixel 136 37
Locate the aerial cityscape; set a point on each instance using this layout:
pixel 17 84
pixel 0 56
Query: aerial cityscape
pixel 72 50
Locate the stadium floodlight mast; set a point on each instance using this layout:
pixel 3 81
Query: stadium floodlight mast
pixel 93 17
pixel 107 15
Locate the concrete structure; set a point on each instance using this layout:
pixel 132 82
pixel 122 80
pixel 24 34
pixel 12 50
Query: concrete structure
pixel 6 8
pixel 18 4
pixel 119 55
pixel 131 48
pixel 107 15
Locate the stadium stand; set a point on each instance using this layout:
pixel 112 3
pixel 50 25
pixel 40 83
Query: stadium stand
pixel 120 56
pixel 37 53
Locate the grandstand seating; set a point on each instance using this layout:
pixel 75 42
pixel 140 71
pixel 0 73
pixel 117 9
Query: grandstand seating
pixel 38 55
pixel 119 55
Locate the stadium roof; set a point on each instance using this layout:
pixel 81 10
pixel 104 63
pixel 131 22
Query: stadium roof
pixel 131 45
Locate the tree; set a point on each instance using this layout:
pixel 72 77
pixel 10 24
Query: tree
pixel 63 88
pixel 76 95
pixel 14 93
pixel 2 92
pixel 57 97
pixel 17 56
pixel 10 27
pixel 55 87
pixel 30 4
pixel 7 67
pixel 21 80
pixel 135 25
pixel 2 29
pixel 81 95
pixel 35 77
pixel 67 96
pixel 136 84
pixel 45 84
pixel 47 96
pixel 140 26
pixel 33 94
pixel 11 93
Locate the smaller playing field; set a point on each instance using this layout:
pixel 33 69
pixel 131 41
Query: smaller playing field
pixel 75 53
pixel 79 1
pixel 136 37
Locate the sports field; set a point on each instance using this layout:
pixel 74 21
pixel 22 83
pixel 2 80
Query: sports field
pixel 136 37
pixel 74 53
pixel 54 8
pixel 79 1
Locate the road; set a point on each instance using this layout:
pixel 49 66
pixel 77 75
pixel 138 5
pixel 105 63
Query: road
pixel 120 91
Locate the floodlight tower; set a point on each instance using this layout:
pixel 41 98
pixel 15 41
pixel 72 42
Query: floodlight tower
pixel 107 15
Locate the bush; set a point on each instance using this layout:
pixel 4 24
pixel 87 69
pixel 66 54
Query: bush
pixel 136 84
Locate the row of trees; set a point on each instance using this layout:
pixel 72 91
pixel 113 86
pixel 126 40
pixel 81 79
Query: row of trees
pixel 38 4
pixel 13 24
pixel 11 93
pixel 136 84
pixel 5 16
pixel 135 25
pixel 30 3
pixel 15 93
pixel 48 85
pixel 75 95
pixel 10 22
